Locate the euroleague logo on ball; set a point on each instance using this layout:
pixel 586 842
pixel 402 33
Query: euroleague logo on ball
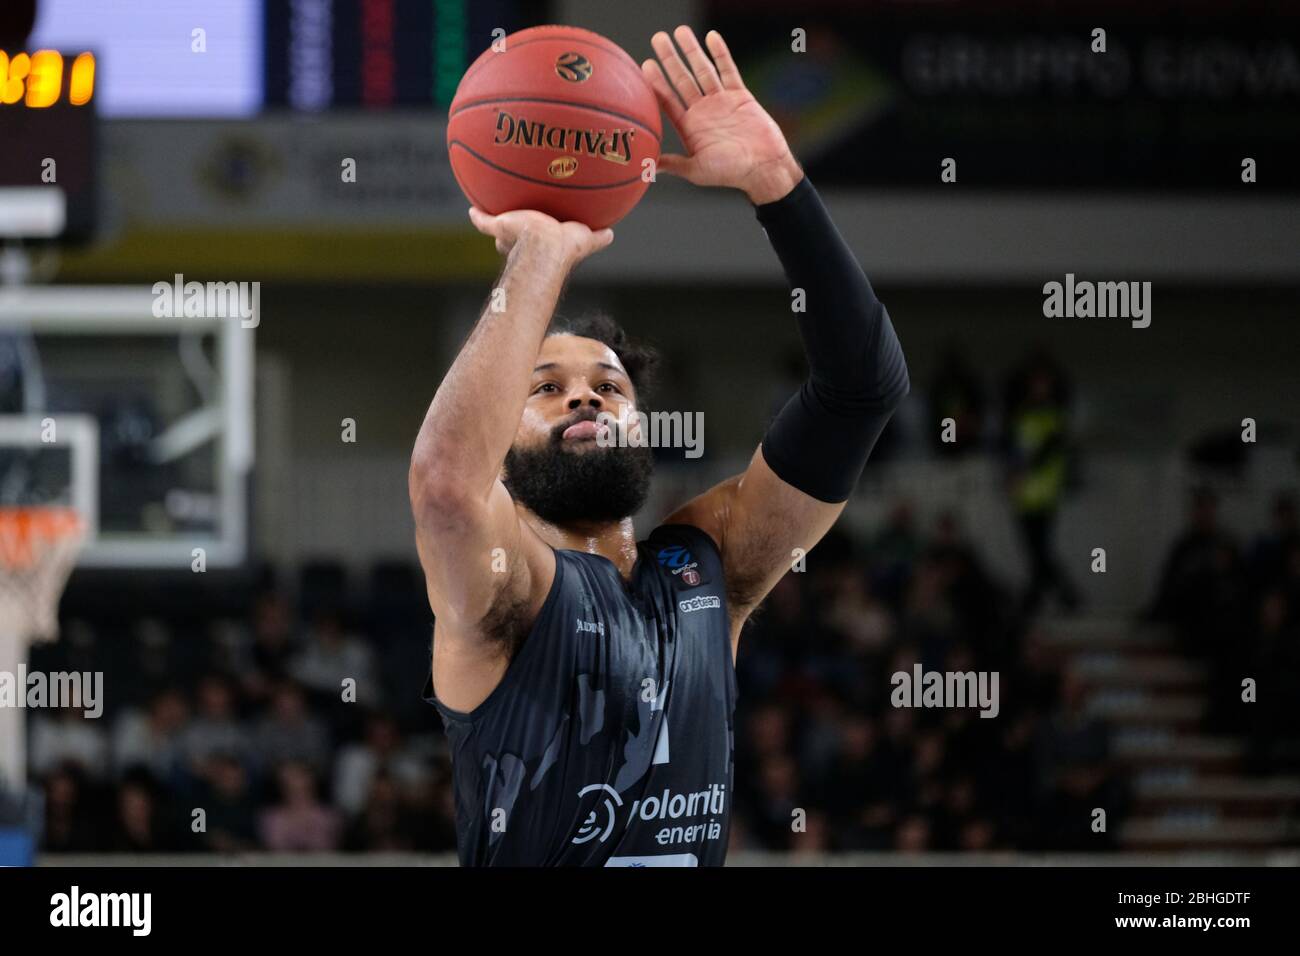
pixel 562 167
pixel 573 67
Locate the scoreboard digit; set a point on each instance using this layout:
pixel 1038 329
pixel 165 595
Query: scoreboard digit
pixel 36 80
pixel 48 142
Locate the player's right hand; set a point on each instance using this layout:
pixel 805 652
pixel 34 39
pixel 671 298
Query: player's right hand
pixel 570 241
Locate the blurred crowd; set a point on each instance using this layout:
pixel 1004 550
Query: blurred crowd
pixel 820 741
pixel 1235 605
pixel 275 732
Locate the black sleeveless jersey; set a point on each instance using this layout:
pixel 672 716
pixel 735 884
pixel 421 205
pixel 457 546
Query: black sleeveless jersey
pixel 609 740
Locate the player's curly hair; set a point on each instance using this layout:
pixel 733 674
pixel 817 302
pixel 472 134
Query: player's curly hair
pixel 639 359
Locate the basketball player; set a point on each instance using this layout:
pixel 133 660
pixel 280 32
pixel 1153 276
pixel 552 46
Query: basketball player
pixel 586 679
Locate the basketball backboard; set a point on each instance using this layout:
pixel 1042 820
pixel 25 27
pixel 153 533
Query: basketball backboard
pixel 153 417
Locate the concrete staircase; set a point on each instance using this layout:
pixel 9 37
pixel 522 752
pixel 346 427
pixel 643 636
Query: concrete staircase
pixel 1189 789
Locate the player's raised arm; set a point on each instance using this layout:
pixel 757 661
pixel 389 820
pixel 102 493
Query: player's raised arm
pixel 463 512
pixel 809 461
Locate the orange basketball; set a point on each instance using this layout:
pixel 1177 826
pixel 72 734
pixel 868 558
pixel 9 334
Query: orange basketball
pixel 560 120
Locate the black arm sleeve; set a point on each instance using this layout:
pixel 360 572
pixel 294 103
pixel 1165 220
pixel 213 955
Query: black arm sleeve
pixel 820 441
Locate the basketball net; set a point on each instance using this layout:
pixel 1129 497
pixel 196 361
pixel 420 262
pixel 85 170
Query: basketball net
pixel 38 547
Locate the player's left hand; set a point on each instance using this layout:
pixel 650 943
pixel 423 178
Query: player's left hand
pixel 732 141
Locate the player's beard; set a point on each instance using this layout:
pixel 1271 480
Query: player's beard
pixel 563 486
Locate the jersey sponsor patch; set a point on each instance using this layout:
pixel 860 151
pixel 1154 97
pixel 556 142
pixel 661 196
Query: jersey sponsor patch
pixel 678 561
pixel 699 603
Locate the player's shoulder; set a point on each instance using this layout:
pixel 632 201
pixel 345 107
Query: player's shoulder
pixel 673 532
